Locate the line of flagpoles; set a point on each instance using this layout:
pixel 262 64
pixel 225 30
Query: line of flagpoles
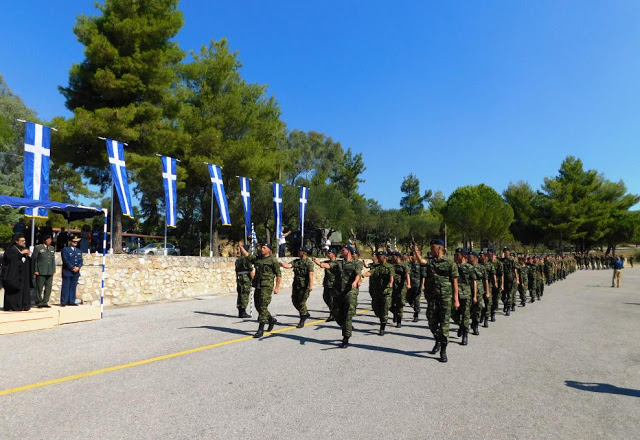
pixel 36 186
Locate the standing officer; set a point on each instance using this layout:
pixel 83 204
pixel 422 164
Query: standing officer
pixel 71 264
pixel 468 294
pixel 498 287
pixel 44 266
pixel 441 289
pixel 401 282
pixel 302 283
pixel 267 268
pixel 416 275
pixel 328 291
pixel 381 286
pixel 244 276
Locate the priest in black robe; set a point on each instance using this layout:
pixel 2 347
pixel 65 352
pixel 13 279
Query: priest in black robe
pixel 16 276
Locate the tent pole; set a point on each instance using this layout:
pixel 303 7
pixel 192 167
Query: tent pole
pixel 33 232
pixel 104 253
pixel 211 227
pixel 111 235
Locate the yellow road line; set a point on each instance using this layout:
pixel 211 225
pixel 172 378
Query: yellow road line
pixel 150 360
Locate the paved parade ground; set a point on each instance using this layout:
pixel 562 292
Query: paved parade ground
pixel 567 367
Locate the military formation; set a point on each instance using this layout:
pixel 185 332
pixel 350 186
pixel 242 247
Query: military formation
pixel 467 289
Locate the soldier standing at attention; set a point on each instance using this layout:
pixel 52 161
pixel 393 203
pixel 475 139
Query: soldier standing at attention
pixel 477 308
pixel 71 264
pixel 302 283
pixel 510 281
pixel 347 278
pixel 401 282
pixel 267 268
pixel 523 275
pixel 468 293
pixel 44 266
pixel 380 287
pixel 497 289
pixel 416 275
pixel 244 276
pixel 490 285
pixel 441 290
pixel 327 284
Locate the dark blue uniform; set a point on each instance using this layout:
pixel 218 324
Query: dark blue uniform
pixel 71 257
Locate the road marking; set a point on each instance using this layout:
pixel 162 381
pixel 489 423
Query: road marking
pixel 151 360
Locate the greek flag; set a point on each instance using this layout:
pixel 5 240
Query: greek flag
pixel 115 150
pixel 254 240
pixel 246 205
pixel 169 177
pixel 37 151
pixel 221 196
pixel 277 208
pixel 304 194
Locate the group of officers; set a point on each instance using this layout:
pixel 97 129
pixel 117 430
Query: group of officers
pixel 466 289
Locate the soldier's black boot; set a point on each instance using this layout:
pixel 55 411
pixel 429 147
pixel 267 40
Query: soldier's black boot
pixel 260 331
pixel 242 313
pixel 459 331
pixel 513 307
pixel 508 310
pixel 465 338
pixel 345 343
pixel 415 316
pixel 272 322
pixel 303 318
pixel 436 348
pixel 382 326
pixel 485 323
pixel 398 321
pixel 443 353
pixel 493 316
pixel 532 300
pixel 474 327
pixel 523 303
pixel 330 318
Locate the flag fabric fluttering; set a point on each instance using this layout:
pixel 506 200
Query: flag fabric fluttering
pixel 221 196
pixel 277 208
pixel 246 205
pixel 304 195
pixel 169 178
pixel 37 152
pixel 115 151
pixel 254 240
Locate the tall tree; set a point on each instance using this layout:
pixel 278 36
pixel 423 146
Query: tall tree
pixel 124 90
pixel 526 205
pixel 347 174
pixel 413 200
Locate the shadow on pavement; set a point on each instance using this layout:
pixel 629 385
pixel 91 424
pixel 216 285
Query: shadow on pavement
pixel 602 388
pixel 633 304
pixel 224 315
pixel 224 329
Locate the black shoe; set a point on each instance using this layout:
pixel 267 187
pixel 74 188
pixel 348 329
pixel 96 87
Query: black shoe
pixel 382 326
pixel 415 317
pixel 513 307
pixel 436 348
pixel 465 338
pixel 330 318
pixel 260 331
pixel 272 322
pixel 475 330
pixel 523 303
pixel 443 353
pixel 399 322
pixel 46 306
pixel 242 313
pixel 459 331
pixel 508 313
pixel 73 305
pixel 303 318
pixel 63 305
pixel 532 300
pixel 485 323
pixel 493 316
pixel 39 306
pixel 345 343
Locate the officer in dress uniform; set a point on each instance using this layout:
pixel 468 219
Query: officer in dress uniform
pixel 44 266
pixel 71 264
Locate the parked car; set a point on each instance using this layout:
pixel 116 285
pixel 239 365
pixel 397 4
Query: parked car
pixel 157 249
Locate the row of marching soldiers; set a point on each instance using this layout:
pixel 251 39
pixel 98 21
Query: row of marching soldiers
pixel 598 261
pixel 467 289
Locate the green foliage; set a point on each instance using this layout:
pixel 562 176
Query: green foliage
pixel 6 233
pixel 413 201
pixel 526 205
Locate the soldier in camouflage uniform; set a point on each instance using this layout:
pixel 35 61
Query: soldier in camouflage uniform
pixel 532 284
pixel 416 274
pixel 347 274
pixel 401 282
pixel 468 294
pixel 510 281
pixel 327 284
pixel 302 283
pixel 491 283
pixel 498 288
pixel 244 276
pixel 523 274
pixel 441 290
pixel 477 308
pixel 266 269
pixel 381 287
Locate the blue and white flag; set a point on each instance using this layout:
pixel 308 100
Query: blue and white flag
pixel 221 196
pixel 304 194
pixel 37 151
pixel 246 205
pixel 169 178
pixel 254 240
pixel 277 208
pixel 115 150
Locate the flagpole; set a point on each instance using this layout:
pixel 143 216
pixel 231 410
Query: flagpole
pixel 104 253
pixel 113 185
pixel 211 227
pixel 33 230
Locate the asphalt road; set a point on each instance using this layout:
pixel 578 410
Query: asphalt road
pixel 567 367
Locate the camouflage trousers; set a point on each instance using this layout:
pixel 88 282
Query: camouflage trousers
pixel 462 316
pixel 243 287
pixel 262 299
pixel 523 293
pixel 477 309
pixel 345 309
pixel 413 297
pixel 327 296
pixel 381 303
pixel 439 315
pixel 509 289
pixel 398 300
pixel 540 289
pixel 299 296
pixel 495 298
pixel 487 305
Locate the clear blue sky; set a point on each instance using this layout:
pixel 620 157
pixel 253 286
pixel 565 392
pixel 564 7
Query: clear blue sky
pixel 457 93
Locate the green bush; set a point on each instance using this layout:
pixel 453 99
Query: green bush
pixel 6 232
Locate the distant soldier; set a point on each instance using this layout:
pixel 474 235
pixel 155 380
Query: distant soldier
pixel 631 261
pixel 510 281
pixel 441 290
pixel 401 282
pixel 266 269
pixel 490 285
pixel 244 276
pixel 498 288
pixel 44 266
pixel 523 274
pixel 302 283
pixel 381 287
pixel 328 291
pixel 477 308
pixel 416 274
pixel 531 278
pixel 468 294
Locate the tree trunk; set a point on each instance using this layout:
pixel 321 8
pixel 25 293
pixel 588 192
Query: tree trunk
pixel 117 226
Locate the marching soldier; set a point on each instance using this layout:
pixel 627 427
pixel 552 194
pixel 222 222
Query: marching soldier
pixel 523 274
pixel 267 268
pixel 44 266
pixel 477 308
pixel 416 275
pixel 401 282
pixel 490 285
pixel 498 288
pixel 302 283
pixel 381 287
pixel 468 294
pixel 244 276
pixel 510 281
pixel 327 284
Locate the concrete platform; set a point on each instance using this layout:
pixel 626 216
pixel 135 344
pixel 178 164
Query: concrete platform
pixel 40 319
